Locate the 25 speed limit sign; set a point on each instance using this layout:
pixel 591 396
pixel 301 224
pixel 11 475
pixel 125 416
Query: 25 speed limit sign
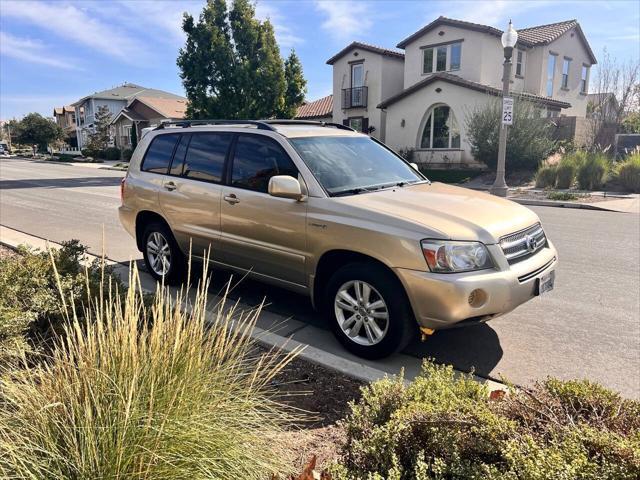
pixel 507 111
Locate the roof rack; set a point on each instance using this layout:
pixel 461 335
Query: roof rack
pixel 308 122
pixel 260 125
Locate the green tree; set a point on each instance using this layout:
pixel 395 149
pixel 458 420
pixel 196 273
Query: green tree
pixel 631 123
pixel 34 129
pixel 231 65
pixel 296 86
pixel 99 140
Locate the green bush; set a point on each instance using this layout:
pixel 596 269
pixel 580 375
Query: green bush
pixel 90 152
pixel 30 300
pixel 546 176
pixel 592 172
pixel 568 167
pixel 126 154
pixel 444 426
pixel 146 393
pixel 529 140
pixel 111 153
pixel 628 173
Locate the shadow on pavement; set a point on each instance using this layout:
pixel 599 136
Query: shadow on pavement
pixel 474 347
pixel 75 182
pixel 469 348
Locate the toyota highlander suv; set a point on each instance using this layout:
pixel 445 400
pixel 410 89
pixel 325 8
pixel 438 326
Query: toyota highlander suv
pixel 324 211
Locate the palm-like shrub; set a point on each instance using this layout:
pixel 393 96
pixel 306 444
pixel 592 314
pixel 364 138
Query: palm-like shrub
pixel 628 173
pixel 146 393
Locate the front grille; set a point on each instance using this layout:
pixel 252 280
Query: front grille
pixel 523 244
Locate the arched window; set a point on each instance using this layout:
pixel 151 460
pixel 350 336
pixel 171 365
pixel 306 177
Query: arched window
pixel 441 129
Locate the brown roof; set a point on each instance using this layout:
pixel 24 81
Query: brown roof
pixel 58 110
pixel 365 46
pixel 456 80
pixel 528 37
pixel 168 107
pixel 323 107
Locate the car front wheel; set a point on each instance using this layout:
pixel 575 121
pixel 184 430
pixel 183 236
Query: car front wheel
pixel 369 310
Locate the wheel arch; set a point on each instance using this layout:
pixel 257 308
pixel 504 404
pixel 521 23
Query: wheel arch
pixel 144 218
pixel 332 260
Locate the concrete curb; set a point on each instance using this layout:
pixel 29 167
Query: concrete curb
pixel 352 368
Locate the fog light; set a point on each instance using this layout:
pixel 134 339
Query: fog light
pixel 477 298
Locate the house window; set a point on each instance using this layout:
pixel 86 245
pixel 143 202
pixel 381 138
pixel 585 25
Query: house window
pixel 127 134
pixel 356 123
pixel 551 67
pixel 584 79
pixel 441 129
pixel 566 64
pixel 520 63
pixel 441 59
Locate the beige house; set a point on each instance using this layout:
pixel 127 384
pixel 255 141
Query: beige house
pixel 144 112
pixel 65 117
pixel 419 99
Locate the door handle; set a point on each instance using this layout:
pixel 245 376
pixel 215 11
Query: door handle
pixel 231 199
pixel 170 186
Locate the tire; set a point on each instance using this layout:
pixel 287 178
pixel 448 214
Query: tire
pixel 159 234
pixel 360 335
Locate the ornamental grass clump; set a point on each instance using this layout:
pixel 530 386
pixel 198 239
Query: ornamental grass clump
pixel 169 390
pixel 445 425
pixel 628 173
pixel 546 176
pixel 567 169
pixel 593 171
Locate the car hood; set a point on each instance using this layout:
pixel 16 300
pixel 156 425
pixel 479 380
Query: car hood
pixel 447 211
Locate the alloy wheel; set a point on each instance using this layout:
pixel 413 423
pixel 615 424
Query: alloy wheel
pixel 361 312
pixel 159 253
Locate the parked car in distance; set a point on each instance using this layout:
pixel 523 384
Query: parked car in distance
pixel 336 215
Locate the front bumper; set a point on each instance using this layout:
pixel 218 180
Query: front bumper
pixel 441 301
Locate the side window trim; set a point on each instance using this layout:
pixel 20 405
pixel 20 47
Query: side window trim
pixel 225 162
pixel 149 148
pixel 175 150
pixel 231 159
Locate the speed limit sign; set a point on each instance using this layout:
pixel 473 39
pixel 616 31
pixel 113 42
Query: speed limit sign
pixel 507 111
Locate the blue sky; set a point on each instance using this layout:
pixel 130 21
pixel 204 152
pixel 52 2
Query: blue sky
pixel 54 52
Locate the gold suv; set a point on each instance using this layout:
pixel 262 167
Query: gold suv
pixel 336 215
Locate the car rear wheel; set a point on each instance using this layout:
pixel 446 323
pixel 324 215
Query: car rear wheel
pixel 162 256
pixel 369 310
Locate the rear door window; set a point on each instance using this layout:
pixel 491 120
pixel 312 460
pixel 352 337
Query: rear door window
pixel 206 156
pixel 256 160
pixel 159 153
pixel 178 157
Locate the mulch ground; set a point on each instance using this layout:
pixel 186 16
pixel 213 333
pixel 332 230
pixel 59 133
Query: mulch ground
pixel 6 252
pixel 325 395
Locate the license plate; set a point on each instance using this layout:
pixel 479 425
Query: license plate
pixel 545 282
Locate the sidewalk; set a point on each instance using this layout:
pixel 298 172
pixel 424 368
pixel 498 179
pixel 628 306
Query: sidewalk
pixel 273 330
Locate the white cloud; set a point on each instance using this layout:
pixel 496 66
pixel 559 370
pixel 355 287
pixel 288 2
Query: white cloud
pixel 346 20
pixel 77 23
pixel 285 35
pixel 32 51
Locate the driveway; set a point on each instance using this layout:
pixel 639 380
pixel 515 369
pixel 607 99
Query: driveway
pixel 589 326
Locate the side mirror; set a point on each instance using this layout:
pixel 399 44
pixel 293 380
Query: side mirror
pixel 285 186
pixel 415 166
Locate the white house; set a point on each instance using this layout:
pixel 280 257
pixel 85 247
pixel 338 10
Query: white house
pixel 115 99
pixel 419 99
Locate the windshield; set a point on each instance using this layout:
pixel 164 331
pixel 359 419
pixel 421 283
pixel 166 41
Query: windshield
pixel 350 165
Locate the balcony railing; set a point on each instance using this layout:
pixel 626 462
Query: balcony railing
pixel 354 97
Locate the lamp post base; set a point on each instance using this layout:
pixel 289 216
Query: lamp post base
pixel 499 191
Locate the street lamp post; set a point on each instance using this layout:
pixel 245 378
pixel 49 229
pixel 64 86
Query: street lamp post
pixel 509 39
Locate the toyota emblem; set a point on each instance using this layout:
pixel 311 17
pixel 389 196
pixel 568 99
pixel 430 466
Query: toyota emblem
pixel 532 243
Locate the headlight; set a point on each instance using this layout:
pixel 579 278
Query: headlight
pixel 445 256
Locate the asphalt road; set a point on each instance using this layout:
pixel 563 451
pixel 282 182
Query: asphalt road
pixel 588 327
